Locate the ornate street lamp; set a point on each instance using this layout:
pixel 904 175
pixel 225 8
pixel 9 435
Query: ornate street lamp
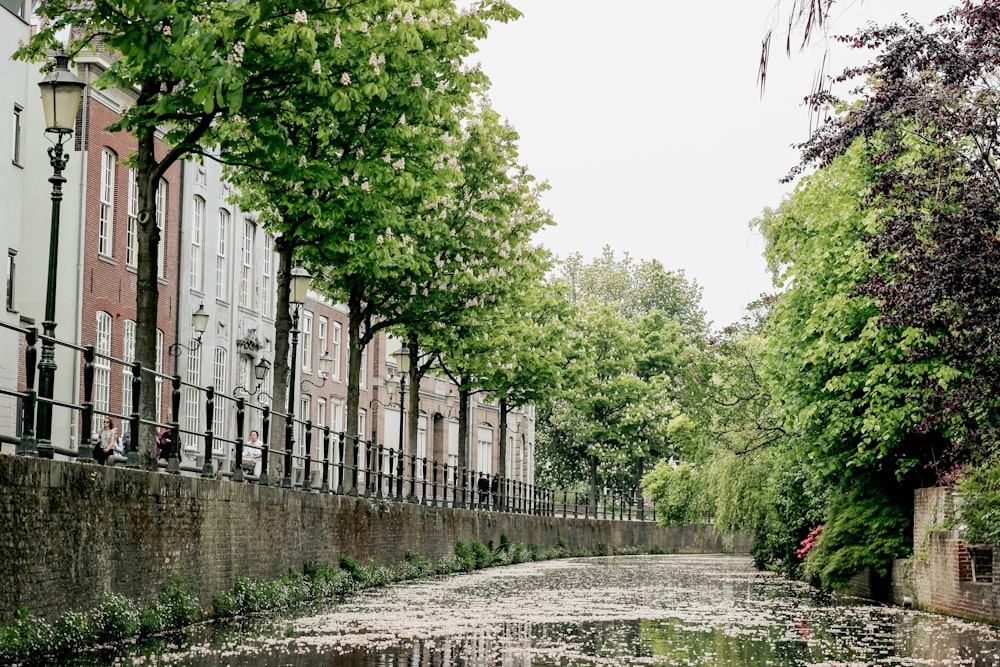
pixel 260 370
pixel 61 92
pixel 199 322
pixel 325 367
pixel 297 290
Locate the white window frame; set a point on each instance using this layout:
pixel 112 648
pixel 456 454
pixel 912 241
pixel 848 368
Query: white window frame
pixel 484 449
pixel 246 266
pixel 192 403
pixel 102 368
pixel 158 383
pixel 198 244
pixel 336 349
pixel 305 349
pixel 132 221
pixel 161 225
pixel 219 415
pixel 363 379
pixel 222 258
pixel 322 329
pixel 337 414
pixel 128 356
pixel 106 198
pixel 266 288
pixel 15 147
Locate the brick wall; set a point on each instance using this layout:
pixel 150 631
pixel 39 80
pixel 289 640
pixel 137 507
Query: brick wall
pixel 72 533
pixel 946 582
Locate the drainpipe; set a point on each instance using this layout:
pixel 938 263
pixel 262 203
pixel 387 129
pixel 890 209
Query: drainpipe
pixel 82 217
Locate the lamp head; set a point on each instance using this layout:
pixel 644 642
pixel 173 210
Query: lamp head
pixel 199 320
pixel 260 369
pixel 298 285
pixel 325 365
pixel 402 357
pixel 61 91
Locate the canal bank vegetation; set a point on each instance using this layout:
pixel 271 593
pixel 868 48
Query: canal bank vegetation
pixel 29 639
pixel 872 371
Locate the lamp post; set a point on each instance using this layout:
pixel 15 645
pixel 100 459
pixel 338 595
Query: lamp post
pixel 61 92
pixel 297 289
pixel 402 357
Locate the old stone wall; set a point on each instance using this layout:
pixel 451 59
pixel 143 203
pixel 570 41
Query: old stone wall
pixel 71 533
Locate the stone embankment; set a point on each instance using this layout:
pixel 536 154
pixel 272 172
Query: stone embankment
pixel 74 533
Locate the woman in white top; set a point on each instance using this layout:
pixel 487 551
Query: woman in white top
pixel 252 453
pixel 107 436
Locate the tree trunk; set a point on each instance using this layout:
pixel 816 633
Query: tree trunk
pixel 356 343
pixel 502 466
pixel 413 399
pixel 281 373
pixel 593 484
pixel 147 295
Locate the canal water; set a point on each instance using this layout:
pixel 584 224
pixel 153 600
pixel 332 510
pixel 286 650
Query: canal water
pixel 621 610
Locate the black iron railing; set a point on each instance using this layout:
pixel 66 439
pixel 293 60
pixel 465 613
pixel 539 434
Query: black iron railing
pixel 379 471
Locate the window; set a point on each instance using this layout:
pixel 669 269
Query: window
pixel 102 368
pixel 11 273
pixel 218 417
pixel 320 412
pixel 221 262
pixel 15 155
pixel 337 414
pixel 321 332
pixel 128 356
pixel 300 430
pixel 363 381
pixel 362 423
pixel 158 383
pixel 198 245
pixel 246 270
pixel 192 421
pixel 161 227
pixel 422 437
pixel 266 290
pixel 306 349
pixel 335 352
pixel 106 224
pixel 132 224
pixel 484 464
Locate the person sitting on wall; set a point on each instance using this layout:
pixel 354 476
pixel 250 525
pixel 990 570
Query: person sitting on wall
pixel 162 444
pixel 106 439
pixel 252 454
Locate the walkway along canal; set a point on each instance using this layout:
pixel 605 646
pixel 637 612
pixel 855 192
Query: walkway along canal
pixel 621 610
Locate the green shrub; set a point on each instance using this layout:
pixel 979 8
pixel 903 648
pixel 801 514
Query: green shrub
pixel 117 619
pixel 465 554
pixel 602 549
pixel 980 508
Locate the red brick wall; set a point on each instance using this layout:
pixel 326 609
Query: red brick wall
pixel 108 285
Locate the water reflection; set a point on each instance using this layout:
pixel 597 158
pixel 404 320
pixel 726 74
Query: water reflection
pixel 649 610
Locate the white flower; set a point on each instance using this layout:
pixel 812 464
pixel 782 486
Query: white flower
pixel 166 31
pixel 300 17
pixel 415 82
pixel 302 161
pixel 317 68
pixel 399 164
pixel 345 79
pixel 441 87
pixel 336 41
pixel 351 237
pixel 346 182
pixel 365 186
pixel 379 240
pixel 364 28
pixel 408 17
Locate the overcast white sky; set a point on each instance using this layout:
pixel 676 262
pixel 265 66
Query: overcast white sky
pixel 645 117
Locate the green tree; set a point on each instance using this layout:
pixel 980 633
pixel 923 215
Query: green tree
pixel 192 65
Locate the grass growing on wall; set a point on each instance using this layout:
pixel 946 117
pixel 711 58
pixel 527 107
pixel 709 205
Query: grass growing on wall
pixel 118 619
